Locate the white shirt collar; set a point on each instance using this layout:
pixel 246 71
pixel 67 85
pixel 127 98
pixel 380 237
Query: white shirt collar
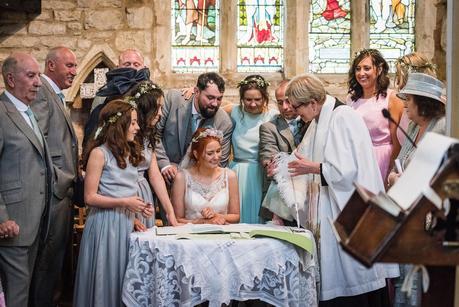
pixel 54 86
pixel 193 108
pixel 22 107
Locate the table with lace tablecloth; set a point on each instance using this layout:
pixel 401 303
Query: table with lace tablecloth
pixel 166 271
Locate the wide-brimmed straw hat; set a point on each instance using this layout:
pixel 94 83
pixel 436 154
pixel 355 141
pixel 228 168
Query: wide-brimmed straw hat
pixel 422 85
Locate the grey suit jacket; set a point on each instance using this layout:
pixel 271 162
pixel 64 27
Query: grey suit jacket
pixel 275 137
pixel 62 142
pixel 25 176
pixel 174 129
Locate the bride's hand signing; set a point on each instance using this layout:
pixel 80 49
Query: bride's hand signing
pixel 134 204
pixel 303 166
pixel 217 219
pixel 208 213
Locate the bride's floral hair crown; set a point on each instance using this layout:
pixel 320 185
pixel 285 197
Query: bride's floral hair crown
pixel 208 132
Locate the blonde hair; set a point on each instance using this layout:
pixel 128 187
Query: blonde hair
pixel 412 62
pixel 305 88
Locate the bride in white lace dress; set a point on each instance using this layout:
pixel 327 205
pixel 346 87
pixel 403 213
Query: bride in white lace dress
pixel 205 193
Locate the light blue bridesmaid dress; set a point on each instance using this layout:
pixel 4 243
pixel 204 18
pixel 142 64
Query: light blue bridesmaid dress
pixel 104 246
pixel 245 162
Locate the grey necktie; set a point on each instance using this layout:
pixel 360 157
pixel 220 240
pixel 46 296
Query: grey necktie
pixel 35 128
pixel 195 122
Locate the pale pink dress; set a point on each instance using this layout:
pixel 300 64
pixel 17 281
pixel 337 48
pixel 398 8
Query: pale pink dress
pixel 378 126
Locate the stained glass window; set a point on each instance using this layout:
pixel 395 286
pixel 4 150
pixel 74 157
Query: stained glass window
pixel 329 36
pixel 195 35
pixel 260 36
pixel 392 28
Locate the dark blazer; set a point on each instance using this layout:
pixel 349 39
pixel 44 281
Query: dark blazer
pixel 25 176
pixel 174 129
pixel 56 125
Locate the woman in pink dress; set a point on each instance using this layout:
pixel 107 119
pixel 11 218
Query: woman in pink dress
pixel 369 94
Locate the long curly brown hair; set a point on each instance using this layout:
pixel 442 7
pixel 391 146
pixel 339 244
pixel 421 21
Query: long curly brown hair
pixel 114 122
pixel 148 105
pixel 382 81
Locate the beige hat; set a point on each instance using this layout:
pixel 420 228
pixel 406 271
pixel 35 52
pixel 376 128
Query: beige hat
pixel 422 85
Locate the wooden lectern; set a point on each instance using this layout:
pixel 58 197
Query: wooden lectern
pixel 370 230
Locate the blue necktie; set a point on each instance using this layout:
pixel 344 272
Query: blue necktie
pixel 195 122
pixel 296 125
pixel 62 97
pixel 34 123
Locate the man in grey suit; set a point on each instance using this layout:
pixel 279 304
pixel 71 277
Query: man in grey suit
pixel 181 117
pixel 281 134
pixel 25 178
pixel 54 120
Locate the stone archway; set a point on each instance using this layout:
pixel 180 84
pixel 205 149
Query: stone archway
pixel 90 77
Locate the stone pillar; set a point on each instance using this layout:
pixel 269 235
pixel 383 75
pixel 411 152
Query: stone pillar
pixel 426 12
pixel 296 52
pixel 360 30
pixel 161 41
pixel 228 36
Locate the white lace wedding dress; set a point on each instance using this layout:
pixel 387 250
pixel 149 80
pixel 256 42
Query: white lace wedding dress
pixel 199 195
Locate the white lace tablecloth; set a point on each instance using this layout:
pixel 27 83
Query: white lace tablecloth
pixel 164 271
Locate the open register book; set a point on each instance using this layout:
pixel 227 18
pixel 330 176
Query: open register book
pixel 299 237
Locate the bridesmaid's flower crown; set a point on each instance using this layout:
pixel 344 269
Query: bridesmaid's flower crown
pixel 260 82
pixel 208 132
pixel 144 88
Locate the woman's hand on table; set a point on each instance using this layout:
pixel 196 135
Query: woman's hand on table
pixel 217 219
pixel 172 220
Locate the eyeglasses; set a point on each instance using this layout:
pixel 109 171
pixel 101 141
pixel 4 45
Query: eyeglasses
pixel 296 107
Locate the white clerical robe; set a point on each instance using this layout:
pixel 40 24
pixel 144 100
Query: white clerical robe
pixel 341 142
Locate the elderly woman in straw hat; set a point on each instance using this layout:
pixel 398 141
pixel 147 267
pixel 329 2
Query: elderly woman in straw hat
pixel 425 107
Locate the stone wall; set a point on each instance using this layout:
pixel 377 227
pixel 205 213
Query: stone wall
pixel 79 25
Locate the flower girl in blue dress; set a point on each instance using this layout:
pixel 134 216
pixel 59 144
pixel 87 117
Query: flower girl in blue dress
pixel 111 195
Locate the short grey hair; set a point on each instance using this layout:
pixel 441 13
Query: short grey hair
pixel 9 66
pixel 305 88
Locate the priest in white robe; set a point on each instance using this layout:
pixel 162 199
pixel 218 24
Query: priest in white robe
pixel 336 151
